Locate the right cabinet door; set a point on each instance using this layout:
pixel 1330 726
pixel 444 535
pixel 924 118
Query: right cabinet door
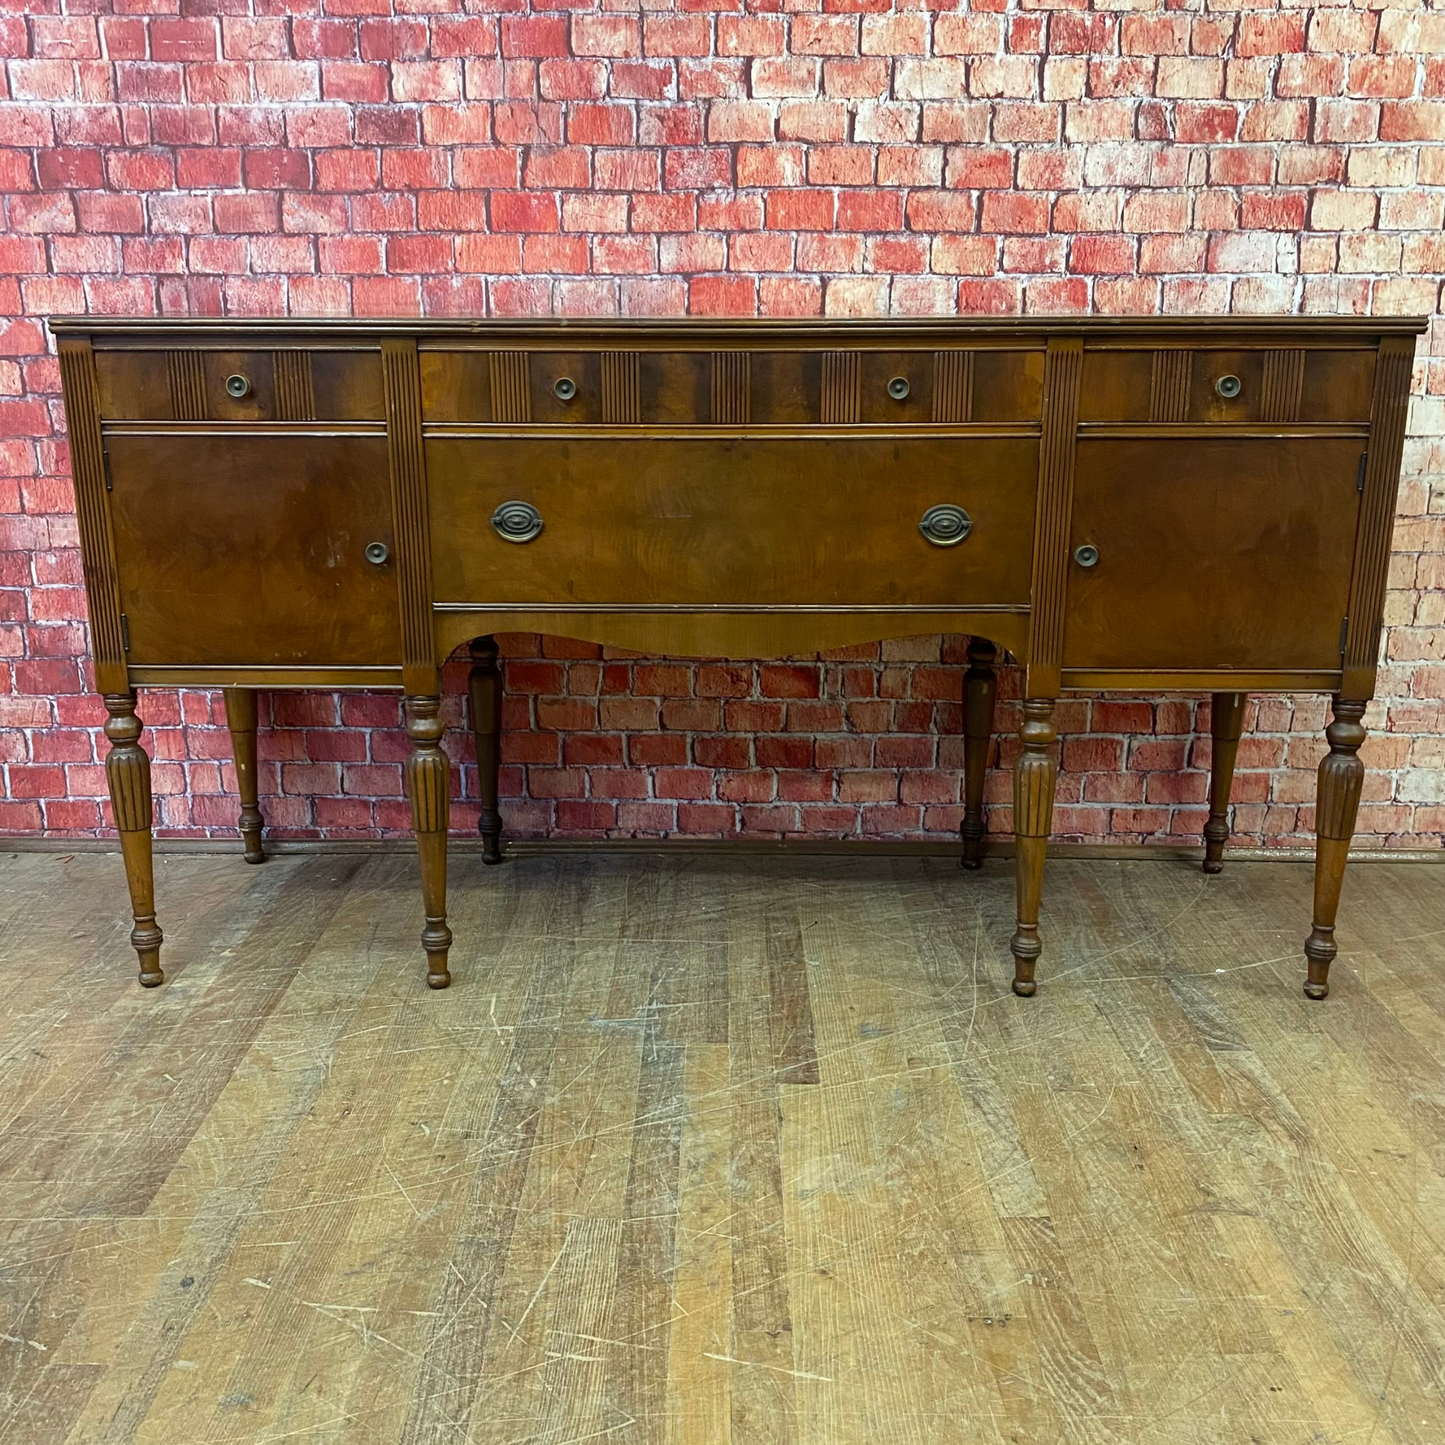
pixel 1211 552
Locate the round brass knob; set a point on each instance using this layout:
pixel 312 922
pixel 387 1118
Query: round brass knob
pixel 1086 554
pixel 517 522
pixel 946 525
pixel 565 388
pixel 1228 386
pixel 376 553
pixel 238 386
pixel 898 388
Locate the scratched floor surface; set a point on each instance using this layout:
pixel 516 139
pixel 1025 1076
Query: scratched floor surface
pixel 745 1152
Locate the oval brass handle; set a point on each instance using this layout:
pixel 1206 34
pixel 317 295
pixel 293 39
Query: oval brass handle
pixel 946 525
pixel 1228 386
pixel 517 522
pixel 1086 554
pixel 565 388
pixel 376 553
pixel 898 388
pixel 238 385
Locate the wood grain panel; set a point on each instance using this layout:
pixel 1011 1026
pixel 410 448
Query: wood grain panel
pixel 1051 520
pixel 1169 385
pixel 265 564
pixel 840 399
pixel 1185 537
pixel 1388 413
pixel 511 391
pixel 188 385
pixel 92 512
pixel 621 401
pixel 747 520
pixel 1284 374
pixel 411 526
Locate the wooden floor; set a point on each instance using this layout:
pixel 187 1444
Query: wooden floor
pixel 733 1152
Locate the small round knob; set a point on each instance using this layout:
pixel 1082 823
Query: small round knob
pixel 898 388
pixel 517 522
pixel 1228 386
pixel 945 526
pixel 238 386
pixel 1086 555
pixel 565 388
pixel 376 553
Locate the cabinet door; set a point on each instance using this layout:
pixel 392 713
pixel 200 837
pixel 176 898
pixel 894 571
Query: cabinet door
pixel 250 549
pixel 1213 552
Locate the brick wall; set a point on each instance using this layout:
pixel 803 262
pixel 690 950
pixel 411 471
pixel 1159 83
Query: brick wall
pixel 493 157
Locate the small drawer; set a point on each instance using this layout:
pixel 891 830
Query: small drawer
pixel 243 386
pixel 1235 385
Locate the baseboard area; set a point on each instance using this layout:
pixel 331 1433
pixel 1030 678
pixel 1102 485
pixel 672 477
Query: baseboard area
pixel 728 847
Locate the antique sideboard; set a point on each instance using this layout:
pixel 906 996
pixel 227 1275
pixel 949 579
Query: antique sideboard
pixel 1167 504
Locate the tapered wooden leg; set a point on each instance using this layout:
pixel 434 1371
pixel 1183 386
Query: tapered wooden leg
pixel 428 781
pixel 128 774
pixel 980 688
pixel 485 689
pixel 1225 724
pixel 1035 774
pixel 241 719
pixel 1342 775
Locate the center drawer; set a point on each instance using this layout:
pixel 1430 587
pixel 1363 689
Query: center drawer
pixel 756 521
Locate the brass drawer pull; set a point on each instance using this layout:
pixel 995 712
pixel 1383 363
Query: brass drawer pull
pixel 1086 554
pixel 946 525
pixel 517 522
pixel 238 386
pixel 898 388
pixel 565 389
pixel 376 553
pixel 1228 386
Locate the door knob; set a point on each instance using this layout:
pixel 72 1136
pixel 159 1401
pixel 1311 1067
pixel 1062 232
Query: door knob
pixel 1086 554
pixel 946 525
pixel 377 553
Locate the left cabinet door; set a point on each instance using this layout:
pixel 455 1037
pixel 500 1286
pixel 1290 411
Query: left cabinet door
pixel 247 549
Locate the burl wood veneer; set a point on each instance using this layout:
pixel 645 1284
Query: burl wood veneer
pixel 1138 503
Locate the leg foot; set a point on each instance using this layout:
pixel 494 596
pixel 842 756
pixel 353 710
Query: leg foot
pixel 1341 777
pixel 128 774
pixel 484 687
pixel 428 781
pixel 1225 725
pixel 980 688
pixel 241 720
pixel 1035 774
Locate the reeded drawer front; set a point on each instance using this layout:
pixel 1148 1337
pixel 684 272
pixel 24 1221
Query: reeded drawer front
pixel 732 388
pixel 1226 552
pixel 755 521
pixel 248 386
pixel 1238 385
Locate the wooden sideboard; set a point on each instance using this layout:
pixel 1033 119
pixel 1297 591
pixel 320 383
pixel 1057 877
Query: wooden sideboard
pixel 1166 504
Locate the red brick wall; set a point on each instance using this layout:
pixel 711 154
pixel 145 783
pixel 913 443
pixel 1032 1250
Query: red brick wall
pixel 504 159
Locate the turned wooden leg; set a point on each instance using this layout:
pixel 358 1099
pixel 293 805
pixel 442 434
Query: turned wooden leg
pixel 1341 776
pixel 485 689
pixel 980 688
pixel 1225 724
pixel 1034 776
pixel 428 781
pixel 128 774
pixel 241 719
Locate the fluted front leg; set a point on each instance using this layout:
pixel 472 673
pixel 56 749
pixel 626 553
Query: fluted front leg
pixel 128 775
pixel 1342 775
pixel 485 689
pixel 1035 774
pixel 241 720
pixel 428 781
pixel 1226 722
pixel 980 689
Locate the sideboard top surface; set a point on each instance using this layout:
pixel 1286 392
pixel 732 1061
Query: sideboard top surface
pixel 1095 330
